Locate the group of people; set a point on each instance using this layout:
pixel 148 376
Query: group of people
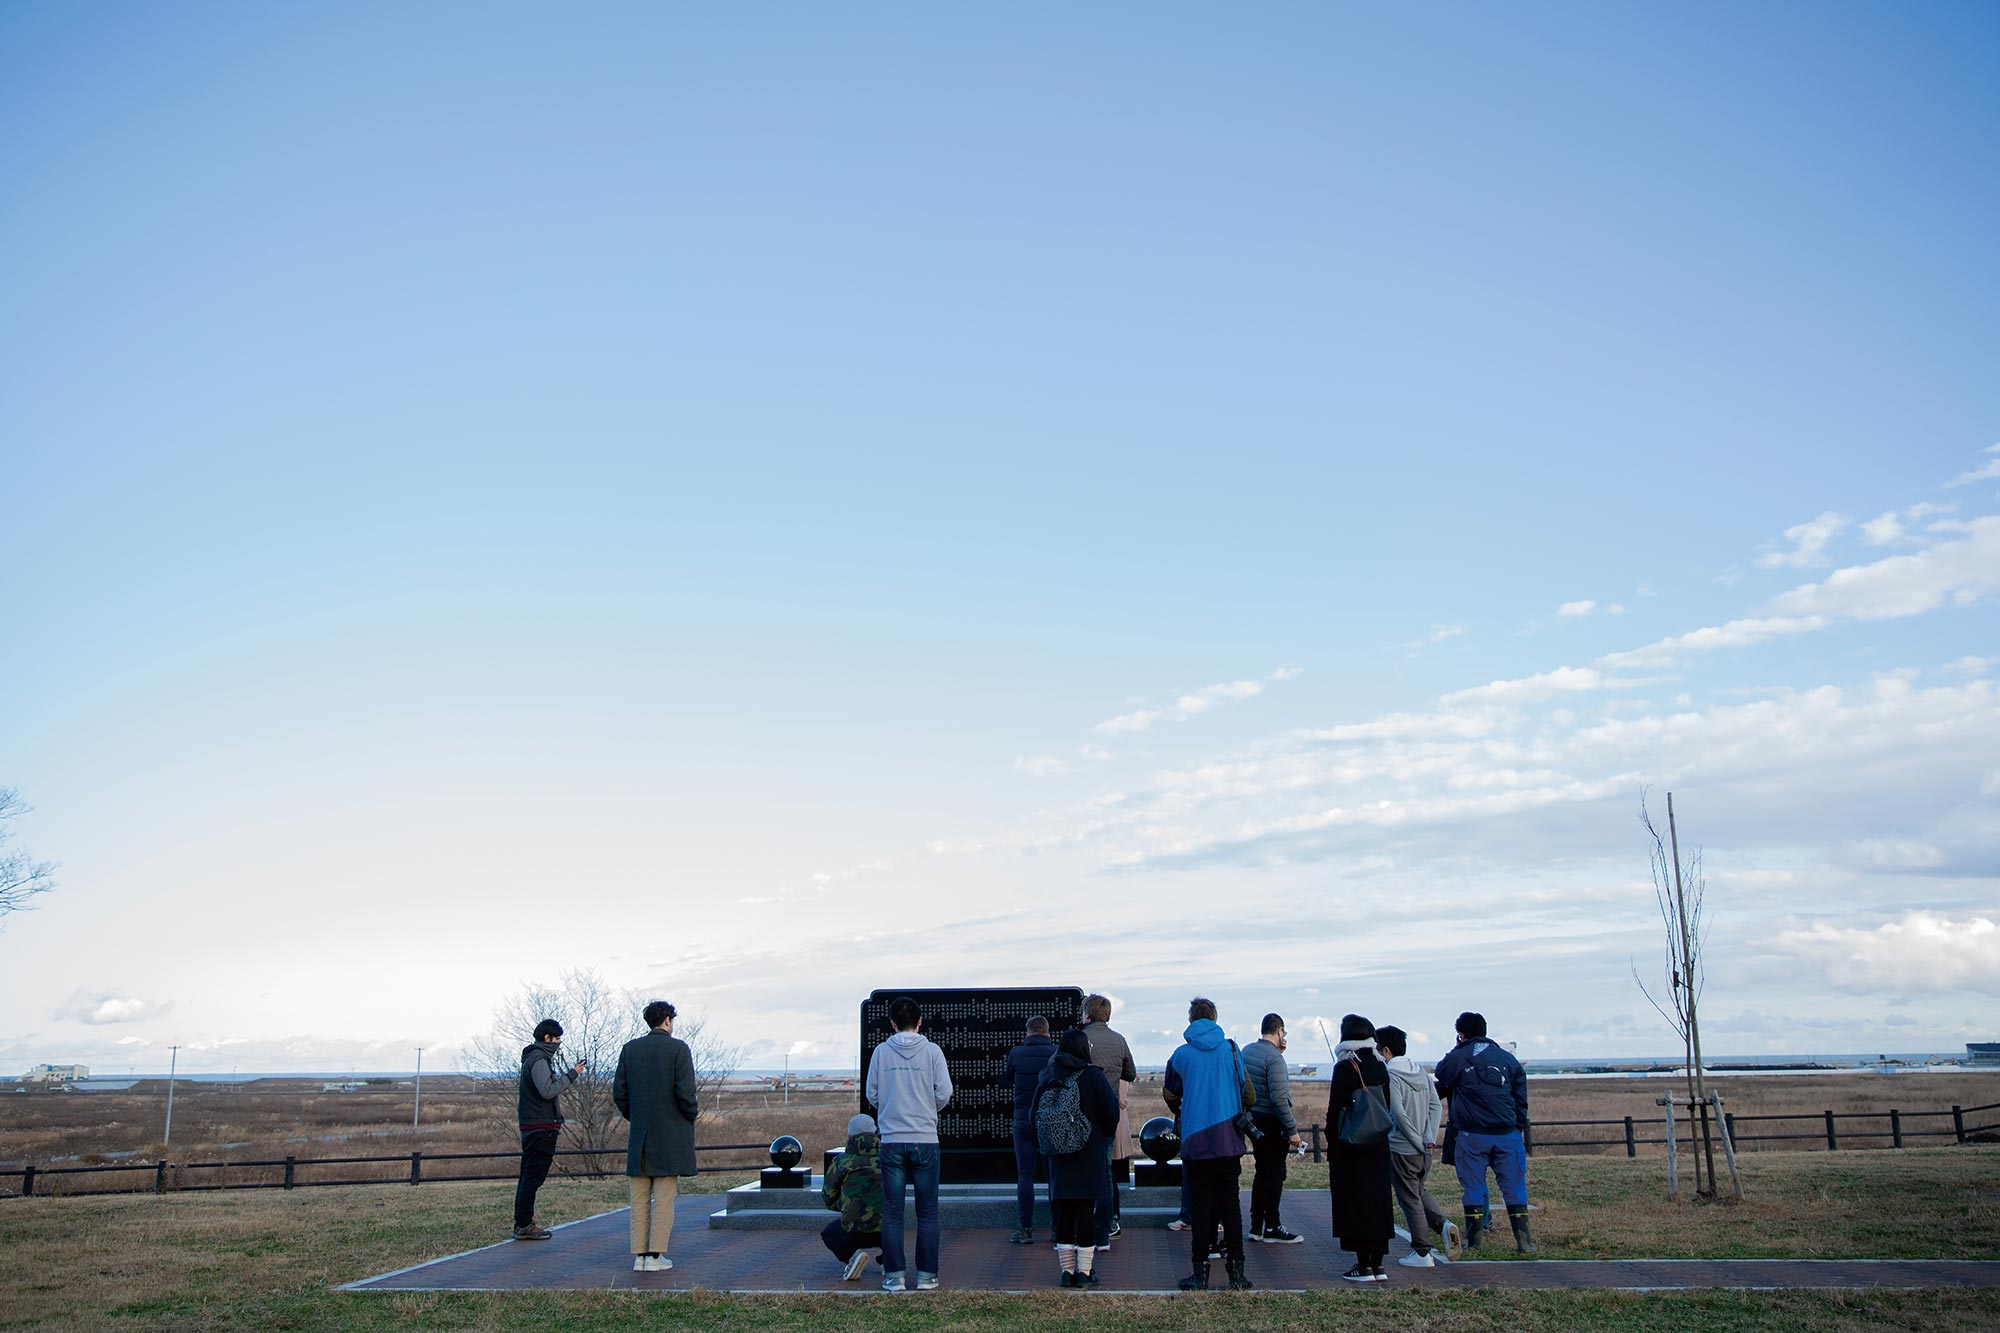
pixel 1071 1125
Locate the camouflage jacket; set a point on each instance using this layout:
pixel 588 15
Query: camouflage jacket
pixel 853 1185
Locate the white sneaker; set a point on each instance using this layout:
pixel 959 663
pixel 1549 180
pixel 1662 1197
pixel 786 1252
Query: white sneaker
pixel 1415 1260
pixel 1178 1224
pixel 927 1282
pixel 643 1264
pixel 851 1271
pixel 893 1282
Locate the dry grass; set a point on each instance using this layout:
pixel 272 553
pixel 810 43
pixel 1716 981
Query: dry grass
pixel 268 1261
pixel 273 1118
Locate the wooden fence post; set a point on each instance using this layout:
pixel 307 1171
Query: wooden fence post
pixel 1895 1128
pixel 1728 1144
pixel 1958 1122
pixel 1832 1143
pixel 1315 1141
pixel 1528 1138
pixel 291 1167
pixel 1631 1141
pixel 1673 1166
pixel 416 1168
pixel 27 1180
pixel 160 1176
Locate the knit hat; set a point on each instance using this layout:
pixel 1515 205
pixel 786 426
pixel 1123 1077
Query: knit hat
pixel 1354 1027
pixel 861 1124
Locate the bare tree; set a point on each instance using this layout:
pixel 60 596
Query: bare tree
pixel 597 1020
pixel 21 876
pixel 1680 888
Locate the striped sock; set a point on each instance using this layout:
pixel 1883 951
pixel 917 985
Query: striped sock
pixel 1066 1257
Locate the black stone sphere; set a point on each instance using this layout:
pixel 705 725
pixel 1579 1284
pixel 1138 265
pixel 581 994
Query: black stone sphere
pixel 1159 1140
pixel 786 1152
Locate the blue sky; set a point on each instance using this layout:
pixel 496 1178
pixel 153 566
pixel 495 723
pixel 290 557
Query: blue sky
pixel 773 504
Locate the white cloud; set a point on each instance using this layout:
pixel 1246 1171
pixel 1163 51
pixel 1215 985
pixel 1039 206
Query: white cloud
pixel 1532 689
pixel 1986 473
pixel 1194 703
pixel 99 1008
pixel 1893 854
pixel 1889 529
pixel 1576 610
pixel 1041 766
pixel 1809 540
pixel 1395 726
pixel 1921 951
pixel 1906 585
pixel 1615 609
pixel 1990 784
pixel 1735 634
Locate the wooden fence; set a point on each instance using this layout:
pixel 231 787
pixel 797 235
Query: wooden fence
pixel 1894 1129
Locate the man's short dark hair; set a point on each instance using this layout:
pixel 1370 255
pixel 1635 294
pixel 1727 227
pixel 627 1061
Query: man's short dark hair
pixel 1393 1040
pixel 547 1028
pixel 1039 1025
pixel 1471 1025
pixel 904 1014
pixel 1201 1007
pixel 657 1012
pixel 1273 1023
pixel 1097 1008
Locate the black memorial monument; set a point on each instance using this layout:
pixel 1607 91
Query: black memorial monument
pixel 975 1029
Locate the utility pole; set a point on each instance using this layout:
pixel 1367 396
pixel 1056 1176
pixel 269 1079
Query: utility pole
pixel 173 1064
pixel 788 1078
pixel 417 1110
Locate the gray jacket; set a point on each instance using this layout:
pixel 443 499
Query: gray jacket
pixel 655 1090
pixel 908 1084
pixel 1415 1108
pixel 1265 1064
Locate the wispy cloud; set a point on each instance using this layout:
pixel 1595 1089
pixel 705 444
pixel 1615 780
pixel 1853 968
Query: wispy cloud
pixel 104 1007
pixel 1986 473
pixel 1889 529
pixel 1194 703
pixel 1532 689
pixel 1809 540
pixel 1960 571
pixel 1735 634
pixel 1577 610
pixel 1041 766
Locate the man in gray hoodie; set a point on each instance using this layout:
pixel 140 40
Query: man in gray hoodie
pixel 908 1084
pixel 1417 1120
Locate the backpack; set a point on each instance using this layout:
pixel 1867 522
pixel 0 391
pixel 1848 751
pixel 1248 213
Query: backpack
pixel 1061 1127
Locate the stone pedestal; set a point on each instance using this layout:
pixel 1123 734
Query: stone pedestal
pixel 1157 1174
pixel 781 1178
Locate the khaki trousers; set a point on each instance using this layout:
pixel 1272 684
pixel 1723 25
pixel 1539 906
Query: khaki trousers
pixel 650 1233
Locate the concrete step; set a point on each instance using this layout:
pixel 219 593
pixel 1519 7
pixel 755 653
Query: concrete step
pixel 960 1208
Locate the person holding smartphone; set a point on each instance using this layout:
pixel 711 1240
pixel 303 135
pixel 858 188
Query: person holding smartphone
pixel 541 1122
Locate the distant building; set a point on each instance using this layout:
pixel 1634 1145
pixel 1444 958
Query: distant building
pixel 341 1087
pixel 1983 1052
pixel 56 1074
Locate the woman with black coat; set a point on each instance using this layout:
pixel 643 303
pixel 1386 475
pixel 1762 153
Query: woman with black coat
pixel 1359 1178
pixel 1078 1180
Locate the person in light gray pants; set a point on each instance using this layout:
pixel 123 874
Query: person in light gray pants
pixel 1418 1119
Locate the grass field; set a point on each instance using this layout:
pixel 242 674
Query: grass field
pixel 268 1261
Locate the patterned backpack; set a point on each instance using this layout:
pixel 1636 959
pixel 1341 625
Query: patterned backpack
pixel 1061 1127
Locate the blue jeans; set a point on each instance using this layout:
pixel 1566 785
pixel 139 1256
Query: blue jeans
pixel 1508 1157
pixel 1028 1169
pixel 917 1164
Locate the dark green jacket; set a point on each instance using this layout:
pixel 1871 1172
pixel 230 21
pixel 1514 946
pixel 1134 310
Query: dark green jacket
pixel 655 1090
pixel 853 1185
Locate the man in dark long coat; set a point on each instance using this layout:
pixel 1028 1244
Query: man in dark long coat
pixel 655 1090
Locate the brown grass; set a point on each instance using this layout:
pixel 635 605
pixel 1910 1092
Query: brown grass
pixel 273 1118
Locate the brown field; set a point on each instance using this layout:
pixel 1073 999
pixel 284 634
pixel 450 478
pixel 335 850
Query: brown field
pixel 273 1118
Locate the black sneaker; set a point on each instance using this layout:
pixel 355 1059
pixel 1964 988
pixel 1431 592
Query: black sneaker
pixel 1252 1233
pixel 1280 1236
pixel 1117 1228
pixel 1359 1274
pixel 1377 1275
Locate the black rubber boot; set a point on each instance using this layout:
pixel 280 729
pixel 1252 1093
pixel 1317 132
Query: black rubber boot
pixel 1475 1227
pixel 1518 1219
pixel 1197 1280
pixel 1238 1282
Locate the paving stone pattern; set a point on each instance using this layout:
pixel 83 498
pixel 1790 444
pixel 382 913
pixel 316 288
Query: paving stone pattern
pixel 592 1255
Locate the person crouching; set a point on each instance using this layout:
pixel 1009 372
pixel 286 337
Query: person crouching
pixel 853 1185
